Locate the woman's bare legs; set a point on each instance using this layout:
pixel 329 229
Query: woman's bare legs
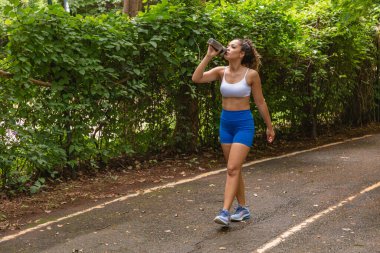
pixel 235 155
pixel 240 195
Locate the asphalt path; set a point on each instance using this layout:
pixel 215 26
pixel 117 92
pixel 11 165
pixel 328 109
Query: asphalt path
pixel 321 200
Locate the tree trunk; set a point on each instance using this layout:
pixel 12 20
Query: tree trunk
pixel 66 5
pixel 50 2
pixel 125 7
pixel 187 122
pixel 377 80
pixel 309 121
pixel 309 124
pixel 132 7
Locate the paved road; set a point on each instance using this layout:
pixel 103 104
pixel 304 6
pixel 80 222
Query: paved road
pixel 325 200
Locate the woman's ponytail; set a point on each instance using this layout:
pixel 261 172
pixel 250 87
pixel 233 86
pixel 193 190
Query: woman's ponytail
pixel 251 59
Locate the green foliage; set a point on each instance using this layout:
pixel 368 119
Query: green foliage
pixel 123 86
pixel 94 7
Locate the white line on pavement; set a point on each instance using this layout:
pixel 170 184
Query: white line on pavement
pixel 169 185
pixel 281 238
pixel 303 151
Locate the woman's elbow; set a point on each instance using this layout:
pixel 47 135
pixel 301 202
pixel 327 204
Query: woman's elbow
pixel 260 103
pixel 195 79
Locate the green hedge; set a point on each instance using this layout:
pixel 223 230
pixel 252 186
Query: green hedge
pixel 122 86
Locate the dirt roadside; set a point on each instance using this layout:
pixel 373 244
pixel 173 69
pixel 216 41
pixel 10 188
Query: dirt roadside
pixel 88 190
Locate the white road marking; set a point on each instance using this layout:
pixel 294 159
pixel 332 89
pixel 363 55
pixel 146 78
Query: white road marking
pixel 281 238
pixel 304 151
pixel 169 185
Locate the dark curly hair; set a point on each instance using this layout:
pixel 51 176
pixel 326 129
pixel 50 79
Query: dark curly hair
pixel 251 59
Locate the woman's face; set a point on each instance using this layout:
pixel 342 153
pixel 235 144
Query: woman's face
pixel 234 51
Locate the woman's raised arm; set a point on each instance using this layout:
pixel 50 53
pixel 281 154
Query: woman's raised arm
pixel 200 76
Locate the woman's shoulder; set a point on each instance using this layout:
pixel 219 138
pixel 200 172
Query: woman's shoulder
pixel 253 72
pixel 252 76
pixel 219 70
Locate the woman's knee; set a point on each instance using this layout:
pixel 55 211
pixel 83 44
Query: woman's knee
pixel 233 169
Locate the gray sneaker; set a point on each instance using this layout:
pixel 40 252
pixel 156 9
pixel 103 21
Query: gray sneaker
pixel 241 213
pixel 223 218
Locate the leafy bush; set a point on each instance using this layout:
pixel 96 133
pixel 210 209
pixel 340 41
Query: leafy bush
pixel 121 86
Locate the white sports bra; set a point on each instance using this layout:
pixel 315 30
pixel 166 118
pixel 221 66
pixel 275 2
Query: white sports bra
pixel 239 89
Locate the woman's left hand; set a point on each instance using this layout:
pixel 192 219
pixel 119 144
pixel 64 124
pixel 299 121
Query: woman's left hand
pixel 270 135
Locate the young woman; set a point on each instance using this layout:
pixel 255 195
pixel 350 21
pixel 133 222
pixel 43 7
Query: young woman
pixel 239 80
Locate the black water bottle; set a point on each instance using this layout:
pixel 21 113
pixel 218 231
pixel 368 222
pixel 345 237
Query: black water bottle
pixel 217 46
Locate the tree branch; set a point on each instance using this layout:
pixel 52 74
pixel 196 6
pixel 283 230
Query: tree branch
pixel 5 74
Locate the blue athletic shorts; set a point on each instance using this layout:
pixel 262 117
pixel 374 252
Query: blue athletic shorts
pixel 237 127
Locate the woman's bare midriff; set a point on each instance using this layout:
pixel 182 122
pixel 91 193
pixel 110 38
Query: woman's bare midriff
pixel 236 104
